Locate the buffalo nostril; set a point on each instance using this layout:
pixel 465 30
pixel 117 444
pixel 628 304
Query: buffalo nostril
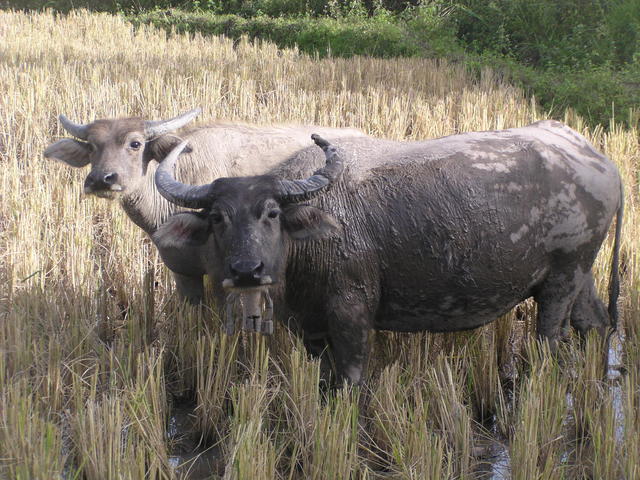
pixel 110 178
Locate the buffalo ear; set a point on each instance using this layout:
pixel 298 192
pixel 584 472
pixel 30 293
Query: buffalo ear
pixel 187 229
pixel 160 147
pixel 69 151
pixel 304 222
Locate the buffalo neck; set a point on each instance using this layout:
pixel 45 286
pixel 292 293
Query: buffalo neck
pixel 145 206
pixel 148 209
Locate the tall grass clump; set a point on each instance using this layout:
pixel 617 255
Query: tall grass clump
pixel 31 444
pixel 537 439
pixel 405 440
pixel 298 408
pixel 97 353
pixel 335 440
pixel 252 453
pixel 215 353
pixel 451 416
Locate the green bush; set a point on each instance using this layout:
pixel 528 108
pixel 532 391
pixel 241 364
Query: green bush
pixel 280 8
pixel 574 34
pixel 598 94
pixel 274 8
pixel 428 26
pixel 623 23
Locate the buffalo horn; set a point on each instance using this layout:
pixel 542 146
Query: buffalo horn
pixel 75 129
pixel 153 129
pixel 292 191
pixel 188 196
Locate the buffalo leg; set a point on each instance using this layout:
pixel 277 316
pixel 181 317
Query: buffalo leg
pixel 190 289
pixel 588 310
pixel 349 328
pixel 555 298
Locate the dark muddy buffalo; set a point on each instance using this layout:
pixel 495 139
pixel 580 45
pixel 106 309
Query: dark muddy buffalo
pixel 441 235
pixel 124 153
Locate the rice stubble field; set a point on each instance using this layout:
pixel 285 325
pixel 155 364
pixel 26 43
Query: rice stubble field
pixel 104 374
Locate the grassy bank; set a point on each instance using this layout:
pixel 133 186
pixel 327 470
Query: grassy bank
pixel 96 353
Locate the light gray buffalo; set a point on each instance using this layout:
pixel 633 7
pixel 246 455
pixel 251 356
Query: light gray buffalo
pixel 123 154
pixel 439 235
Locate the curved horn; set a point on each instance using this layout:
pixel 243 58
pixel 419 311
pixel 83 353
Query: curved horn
pixel 156 128
pixel 293 191
pixel 75 129
pixel 188 196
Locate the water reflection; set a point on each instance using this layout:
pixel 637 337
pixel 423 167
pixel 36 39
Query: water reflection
pixel 493 462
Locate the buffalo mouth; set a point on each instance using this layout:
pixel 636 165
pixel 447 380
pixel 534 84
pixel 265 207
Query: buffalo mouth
pixel 262 281
pixel 253 307
pixel 109 193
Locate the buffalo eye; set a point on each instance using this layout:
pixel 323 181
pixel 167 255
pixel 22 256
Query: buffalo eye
pixel 273 214
pixel 135 145
pixel 216 218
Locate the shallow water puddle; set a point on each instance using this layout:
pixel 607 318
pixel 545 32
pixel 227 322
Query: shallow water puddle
pixel 493 463
pixel 615 376
pixel 189 459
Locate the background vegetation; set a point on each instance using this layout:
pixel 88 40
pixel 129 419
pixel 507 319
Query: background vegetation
pixel 582 54
pixel 104 375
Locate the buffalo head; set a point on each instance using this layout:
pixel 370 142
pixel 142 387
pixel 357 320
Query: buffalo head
pixel 248 222
pixel 118 150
